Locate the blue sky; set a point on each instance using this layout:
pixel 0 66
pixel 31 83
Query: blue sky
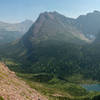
pixel 19 10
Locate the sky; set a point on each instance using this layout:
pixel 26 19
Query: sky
pixel 19 10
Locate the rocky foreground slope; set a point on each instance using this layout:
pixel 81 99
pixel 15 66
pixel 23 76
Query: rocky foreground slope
pixel 13 88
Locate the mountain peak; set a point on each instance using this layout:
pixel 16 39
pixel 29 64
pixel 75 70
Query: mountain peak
pixel 96 11
pixel 43 17
pixel 54 26
pixel 47 13
pixel 50 15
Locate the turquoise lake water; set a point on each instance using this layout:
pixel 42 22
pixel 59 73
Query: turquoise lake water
pixel 92 87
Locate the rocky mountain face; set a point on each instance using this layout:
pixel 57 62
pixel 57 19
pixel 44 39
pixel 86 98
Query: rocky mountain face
pixel 85 27
pixel 89 24
pixel 13 88
pixel 59 45
pixel 52 26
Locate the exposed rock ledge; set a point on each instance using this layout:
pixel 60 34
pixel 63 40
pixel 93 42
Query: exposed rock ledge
pixel 13 88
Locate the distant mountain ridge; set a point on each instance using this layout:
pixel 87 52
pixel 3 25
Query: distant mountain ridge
pixel 89 24
pixel 85 27
pixel 11 32
pixel 21 27
pixel 59 45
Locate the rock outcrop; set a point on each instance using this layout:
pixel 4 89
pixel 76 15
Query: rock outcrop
pixel 13 88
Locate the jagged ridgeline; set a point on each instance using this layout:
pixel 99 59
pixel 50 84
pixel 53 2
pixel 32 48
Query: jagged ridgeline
pixel 58 45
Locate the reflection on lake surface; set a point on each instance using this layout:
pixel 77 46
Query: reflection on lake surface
pixel 92 87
